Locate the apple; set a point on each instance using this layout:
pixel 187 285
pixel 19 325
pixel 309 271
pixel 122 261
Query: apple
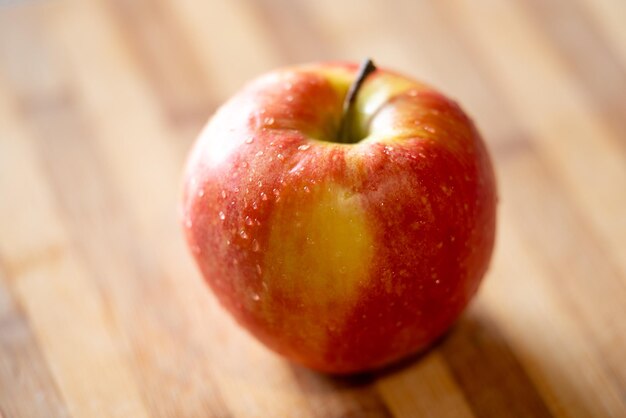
pixel 344 217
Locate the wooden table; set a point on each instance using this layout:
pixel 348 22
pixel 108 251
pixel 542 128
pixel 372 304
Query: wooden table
pixel 103 314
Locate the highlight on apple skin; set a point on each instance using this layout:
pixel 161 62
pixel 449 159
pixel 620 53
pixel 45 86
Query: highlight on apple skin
pixel 343 254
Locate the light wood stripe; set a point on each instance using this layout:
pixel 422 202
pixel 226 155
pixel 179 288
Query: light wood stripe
pixel 610 16
pixel 77 340
pixel 600 73
pixel 166 60
pixel 425 388
pixel 229 41
pixel 27 389
pixel 351 26
pixel 292 29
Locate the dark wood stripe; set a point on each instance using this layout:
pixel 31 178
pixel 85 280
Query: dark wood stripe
pixel 483 363
pixel 589 57
pixel 331 396
pixel 27 388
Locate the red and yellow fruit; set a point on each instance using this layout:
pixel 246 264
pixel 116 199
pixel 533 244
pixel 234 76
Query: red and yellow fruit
pixel 341 256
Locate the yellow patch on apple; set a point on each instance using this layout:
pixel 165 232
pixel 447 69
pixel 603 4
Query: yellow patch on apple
pixel 320 249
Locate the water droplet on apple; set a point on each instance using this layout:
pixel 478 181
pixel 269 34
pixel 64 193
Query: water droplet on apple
pixel 200 192
pixel 255 205
pixel 236 189
pixel 222 215
pixel 263 196
pixel 437 281
pixel 259 270
pixel 304 147
pixel 255 246
pixel 249 140
pixel 256 297
pixel 243 234
pixel 430 129
pixel 306 189
pixel 280 156
pixel 258 154
pixel 223 194
pixel 269 121
pixel 260 184
pixel 276 192
pixel 227 242
pixel 248 220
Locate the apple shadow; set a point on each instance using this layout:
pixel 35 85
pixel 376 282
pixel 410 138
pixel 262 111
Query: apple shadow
pixel 485 368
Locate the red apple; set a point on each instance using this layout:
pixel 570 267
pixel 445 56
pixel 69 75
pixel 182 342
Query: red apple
pixel 343 240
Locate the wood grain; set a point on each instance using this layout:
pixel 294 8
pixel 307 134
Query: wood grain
pixel 102 312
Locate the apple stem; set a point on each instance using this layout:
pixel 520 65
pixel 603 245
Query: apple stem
pixel 367 67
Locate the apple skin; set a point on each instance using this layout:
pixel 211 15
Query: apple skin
pixel 341 257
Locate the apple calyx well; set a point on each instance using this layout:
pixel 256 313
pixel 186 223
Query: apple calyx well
pixel 345 134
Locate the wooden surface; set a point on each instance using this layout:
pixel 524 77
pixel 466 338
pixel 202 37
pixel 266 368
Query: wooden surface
pixel 103 314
